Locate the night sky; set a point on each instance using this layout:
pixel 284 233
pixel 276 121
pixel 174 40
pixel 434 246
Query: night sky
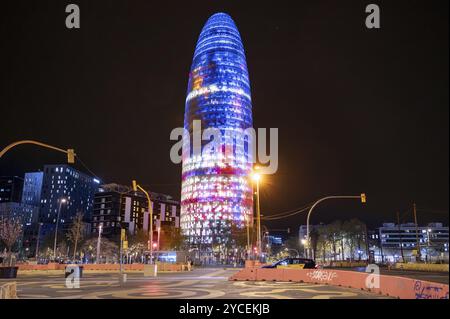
pixel 358 110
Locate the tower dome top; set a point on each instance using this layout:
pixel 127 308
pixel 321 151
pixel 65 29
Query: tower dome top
pixel 219 32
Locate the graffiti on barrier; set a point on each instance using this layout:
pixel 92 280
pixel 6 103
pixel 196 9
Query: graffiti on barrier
pixel 322 275
pixel 427 291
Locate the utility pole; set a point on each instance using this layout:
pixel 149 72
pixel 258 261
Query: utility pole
pixel 61 201
pixel 258 220
pixel 400 236
pixel 37 241
pixel 248 238
pixel 152 269
pixel 98 243
pixel 418 255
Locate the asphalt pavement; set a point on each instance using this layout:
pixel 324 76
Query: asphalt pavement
pixel 201 283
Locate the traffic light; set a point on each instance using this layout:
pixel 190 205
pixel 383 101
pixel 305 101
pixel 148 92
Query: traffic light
pixel 363 198
pixel 134 186
pixel 71 156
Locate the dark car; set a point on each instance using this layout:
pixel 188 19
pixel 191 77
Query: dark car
pixel 295 263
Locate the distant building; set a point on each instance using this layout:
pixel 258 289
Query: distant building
pixel 10 201
pixel 274 240
pixel 116 206
pixel 42 193
pixel 26 213
pixel 32 188
pixel 10 189
pixel 433 240
pixel 64 182
pixel 302 231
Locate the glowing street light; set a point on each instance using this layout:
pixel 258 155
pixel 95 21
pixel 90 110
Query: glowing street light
pixel 256 177
pixel 61 201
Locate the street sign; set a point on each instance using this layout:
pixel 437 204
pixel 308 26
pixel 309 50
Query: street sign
pixel 122 234
pixel 125 244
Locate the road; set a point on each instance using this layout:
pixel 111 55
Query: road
pixel 200 283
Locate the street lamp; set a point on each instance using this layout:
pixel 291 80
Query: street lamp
pixel 61 201
pixel 153 269
pixel 100 228
pixel 248 236
pixel 428 245
pixel 37 240
pixel 159 236
pixel 256 178
pixel 361 197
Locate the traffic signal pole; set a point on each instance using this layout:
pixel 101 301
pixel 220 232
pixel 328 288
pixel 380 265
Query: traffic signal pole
pixel 362 197
pixel 70 152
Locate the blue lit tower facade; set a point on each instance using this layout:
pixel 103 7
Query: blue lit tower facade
pixel 216 188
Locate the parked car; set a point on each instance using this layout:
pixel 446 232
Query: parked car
pixel 291 262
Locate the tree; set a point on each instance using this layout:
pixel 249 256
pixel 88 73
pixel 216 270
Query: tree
pixel 10 231
pixel 108 249
pixel 323 235
pixel 292 244
pixel 334 236
pixel 354 235
pixel 46 246
pixel 238 236
pixel 75 233
pixel 314 237
pixel 171 238
pixel 140 237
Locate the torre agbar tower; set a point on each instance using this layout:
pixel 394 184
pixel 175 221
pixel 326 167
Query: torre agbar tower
pixel 216 189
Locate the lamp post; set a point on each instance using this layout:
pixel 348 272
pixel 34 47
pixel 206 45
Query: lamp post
pixel 150 210
pixel 37 240
pixel 100 228
pixel 304 242
pixel 61 201
pixel 248 237
pixel 159 236
pixel 428 245
pixel 256 178
pixel 361 197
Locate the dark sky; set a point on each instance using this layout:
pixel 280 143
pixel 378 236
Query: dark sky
pixel 358 110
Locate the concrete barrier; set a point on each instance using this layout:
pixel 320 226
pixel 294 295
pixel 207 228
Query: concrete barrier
pixel 422 267
pixel 8 291
pixel 399 287
pixel 103 267
pixel 348 264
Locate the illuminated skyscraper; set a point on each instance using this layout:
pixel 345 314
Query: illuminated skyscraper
pixel 216 189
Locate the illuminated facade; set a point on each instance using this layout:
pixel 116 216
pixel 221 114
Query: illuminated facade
pixel 216 189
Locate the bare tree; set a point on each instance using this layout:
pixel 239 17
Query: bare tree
pixel 108 249
pixel 75 233
pixel 10 231
pixel 335 235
